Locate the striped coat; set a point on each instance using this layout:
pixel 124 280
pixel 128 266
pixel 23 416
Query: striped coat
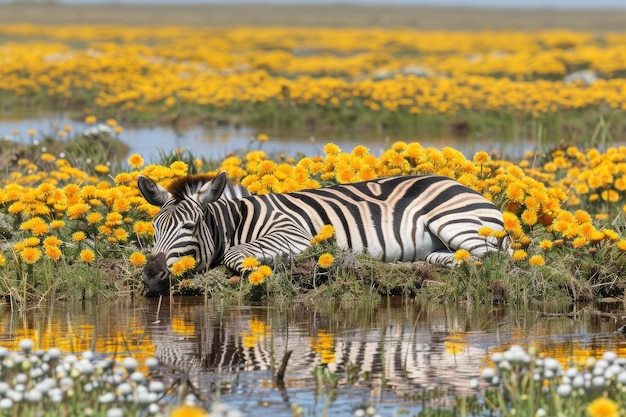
pixel 408 218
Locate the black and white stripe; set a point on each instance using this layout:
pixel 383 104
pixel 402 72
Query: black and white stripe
pixel 408 218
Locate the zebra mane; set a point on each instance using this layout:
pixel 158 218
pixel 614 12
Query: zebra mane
pixel 184 187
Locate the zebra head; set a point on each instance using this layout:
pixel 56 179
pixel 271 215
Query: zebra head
pixel 180 228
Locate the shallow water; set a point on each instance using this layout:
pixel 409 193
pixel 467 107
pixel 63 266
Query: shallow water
pixel 398 347
pixel 217 142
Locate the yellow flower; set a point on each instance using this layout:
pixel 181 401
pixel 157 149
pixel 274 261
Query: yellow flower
pixel 30 255
pixel 47 157
pixel 101 169
pixel 183 265
pixel 87 255
pixel 511 222
pixel 76 210
pixel 256 278
pixel 603 407
pixel 262 137
pixel 179 167
pixel 331 149
pixel 143 228
pixel 52 241
pixel 120 234
pixel 325 260
pixel 135 161
pixel 326 232
pixel 57 224
pixel 186 410
pixel 90 120
pixel 536 260
pixel 249 263
pixel 481 158
pixel 610 195
pixel 137 258
pixel 485 231
pixel 461 255
pixel 94 217
pixel 545 244
pixel 621 245
pixel 265 270
pixel 519 255
pixel 53 252
pixel 79 236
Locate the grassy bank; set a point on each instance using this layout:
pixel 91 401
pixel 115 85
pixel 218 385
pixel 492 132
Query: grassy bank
pixel 75 225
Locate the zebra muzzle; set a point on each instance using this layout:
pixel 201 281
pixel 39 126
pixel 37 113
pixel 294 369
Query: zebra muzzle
pixel 156 275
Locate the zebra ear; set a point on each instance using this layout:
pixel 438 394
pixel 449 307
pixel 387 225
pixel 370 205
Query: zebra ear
pixel 212 190
pixel 152 192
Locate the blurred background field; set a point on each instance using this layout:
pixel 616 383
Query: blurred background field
pixel 334 15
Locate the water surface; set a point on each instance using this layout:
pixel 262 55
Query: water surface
pixel 383 353
pixel 217 142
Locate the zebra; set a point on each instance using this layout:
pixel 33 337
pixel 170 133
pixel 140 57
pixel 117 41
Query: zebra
pixel 401 218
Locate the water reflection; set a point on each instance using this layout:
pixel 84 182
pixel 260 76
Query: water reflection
pixel 385 350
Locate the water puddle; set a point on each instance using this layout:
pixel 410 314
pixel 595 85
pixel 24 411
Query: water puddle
pixel 384 354
pixel 217 142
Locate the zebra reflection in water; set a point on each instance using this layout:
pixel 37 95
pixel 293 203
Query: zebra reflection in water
pixel 213 346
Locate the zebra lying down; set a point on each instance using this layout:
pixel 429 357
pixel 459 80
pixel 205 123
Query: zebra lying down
pixel 406 218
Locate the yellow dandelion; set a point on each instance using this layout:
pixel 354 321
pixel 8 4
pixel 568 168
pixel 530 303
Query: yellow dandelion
pixel 262 137
pixel 186 410
pixel 256 278
pixel 90 119
pixel 461 255
pixel 331 149
pixel 325 260
pixel 57 224
pixel 621 245
pixel 249 263
pixel 265 270
pixel 545 244
pixel 179 167
pixel 94 217
pixel 79 236
pixel 30 255
pixel 481 158
pixel 101 169
pixel 610 195
pixel 184 264
pixel 603 407
pixel 511 222
pixel 536 260
pixel 143 228
pixel 47 157
pixel 529 217
pixel 519 255
pixel 52 241
pixel 135 161
pixel 120 234
pixel 87 255
pixel 266 167
pixel 485 231
pixel 53 252
pixel 137 258
pixel 360 150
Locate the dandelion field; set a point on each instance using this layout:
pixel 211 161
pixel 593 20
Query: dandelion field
pixel 73 224
pixel 504 84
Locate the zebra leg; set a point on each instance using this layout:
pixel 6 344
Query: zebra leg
pixel 267 248
pixel 441 257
